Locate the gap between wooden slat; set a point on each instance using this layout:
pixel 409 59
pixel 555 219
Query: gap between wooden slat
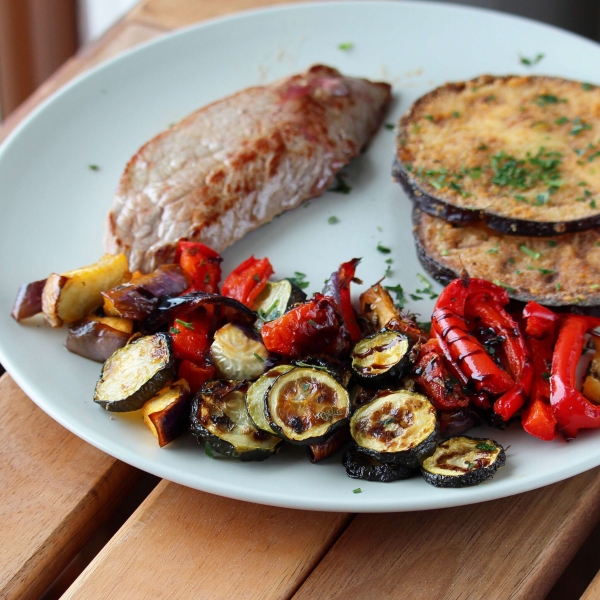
pixel 185 544
pixel 510 548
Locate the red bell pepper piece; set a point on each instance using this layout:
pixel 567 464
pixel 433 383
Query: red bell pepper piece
pixel 191 337
pixel 247 280
pixel 338 287
pixel 461 349
pixel 306 329
pixel 572 410
pixel 431 374
pixel 537 417
pixel 196 374
pixel 202 264
pixel 488 314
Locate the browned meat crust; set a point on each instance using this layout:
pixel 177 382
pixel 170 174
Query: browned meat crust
pixel 236 164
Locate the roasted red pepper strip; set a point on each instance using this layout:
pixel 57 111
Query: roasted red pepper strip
pixel 571 409
pixel 201 264
pixel 431 374
pixel 191 337
pixel 338 287
pixel 305 329
pixel 537 417
pixel 247 280
pixel 462 349
pixel 196 374
pixel 487 313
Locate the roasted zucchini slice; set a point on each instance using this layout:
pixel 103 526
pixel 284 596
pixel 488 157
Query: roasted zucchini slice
pixel 399 427
pixel 362 466
pixel 166 415
pixel 135 373
pixel 380 359
pixel 238 353
pixel 255 397
pixel 305 404
pixel 219 418
pixel 276 298
pixel 463 461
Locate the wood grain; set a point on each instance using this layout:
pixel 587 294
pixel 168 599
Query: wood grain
pixel 55 490
pixel 183 544
pixel 593 590
pixel 179 13
pixel 511 548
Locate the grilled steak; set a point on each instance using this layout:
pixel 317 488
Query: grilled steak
pixel 560 271
pixel 234 165
pixel 521 153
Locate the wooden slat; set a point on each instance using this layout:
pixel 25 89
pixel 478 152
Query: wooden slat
pixel 511 548
pixel 593 590
pixel 55 490
pixel 179 13
pixel 183 544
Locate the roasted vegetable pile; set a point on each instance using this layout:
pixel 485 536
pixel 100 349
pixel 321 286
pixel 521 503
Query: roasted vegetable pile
pixel 250 364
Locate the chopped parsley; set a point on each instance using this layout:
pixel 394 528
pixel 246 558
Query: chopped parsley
pixel 506 287
pixel 424 326
pixel 256 278
pixel 561 121
pixel 383 249
pixel 426 289
pixel 578 126
pixel 545 99
pixel 357 491
pixel 298 280
pixel 174 330
pixel 546 376
pixel 333 220
pixel 470 466
pixel 494 250
pixel 444 252
pixel 390 126
pixel 259 357
pixel 587 86
pixel 455 114
pixel 530 62
pixel 340 187
pixel 185 324
pixel 399 292
pixel 552 243
pixel 93 167
pixel 546 271
pixel 346 46
pixel 487 447
pixel 429 118
pixel 270 314
pixel 388 422
pixel 526 250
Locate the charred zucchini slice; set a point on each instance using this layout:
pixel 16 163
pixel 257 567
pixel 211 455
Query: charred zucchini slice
pixel 276 298
pixel 135 373
pixel 238 353
pixel 362 466
pixel 305 404
pixel 399 427
pixel 219 418
pixel 463 461
pixel 381 358
pixel 255 397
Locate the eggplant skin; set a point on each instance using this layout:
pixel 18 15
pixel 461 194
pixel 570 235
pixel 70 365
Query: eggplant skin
pixel 472 477
pixel 362 466
pixel 567 281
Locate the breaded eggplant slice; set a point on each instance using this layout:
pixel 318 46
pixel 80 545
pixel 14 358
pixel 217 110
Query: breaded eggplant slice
pixel 563 271
pixel 516 152
pixel 463 461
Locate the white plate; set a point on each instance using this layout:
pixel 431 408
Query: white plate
pixel 52 208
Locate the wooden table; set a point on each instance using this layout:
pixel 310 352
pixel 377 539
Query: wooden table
pixel 62 500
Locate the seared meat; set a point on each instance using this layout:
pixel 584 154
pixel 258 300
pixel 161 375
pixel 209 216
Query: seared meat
pixel 234 165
